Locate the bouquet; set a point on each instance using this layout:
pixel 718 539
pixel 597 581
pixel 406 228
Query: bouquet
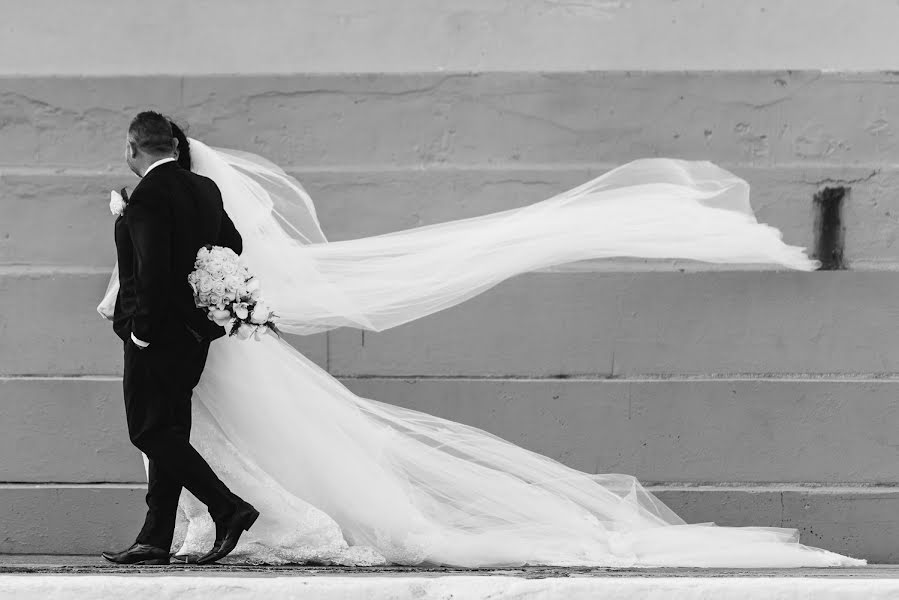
pixel 230 294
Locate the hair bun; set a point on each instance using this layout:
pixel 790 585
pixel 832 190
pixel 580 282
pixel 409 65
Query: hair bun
pixel 183 146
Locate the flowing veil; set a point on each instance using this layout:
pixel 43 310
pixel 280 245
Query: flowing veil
pixel 651 208
pixel 655 208
pixel 413 487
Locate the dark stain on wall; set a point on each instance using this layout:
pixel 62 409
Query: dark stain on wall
pixel 829 229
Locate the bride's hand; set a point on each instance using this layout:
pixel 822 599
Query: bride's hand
pixel 106 307
pixel 106 310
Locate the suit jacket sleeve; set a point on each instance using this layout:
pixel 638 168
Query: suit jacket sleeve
pixel 149 223
pixel 229 237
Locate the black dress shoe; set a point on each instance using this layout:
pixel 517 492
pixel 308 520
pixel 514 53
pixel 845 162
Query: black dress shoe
pixel 139 554
pixel 228 534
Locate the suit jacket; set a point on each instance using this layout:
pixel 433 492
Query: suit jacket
pixel 171 214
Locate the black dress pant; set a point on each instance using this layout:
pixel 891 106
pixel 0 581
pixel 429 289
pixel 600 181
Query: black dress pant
pixel 158 384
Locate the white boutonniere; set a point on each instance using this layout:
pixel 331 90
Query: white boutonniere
pixel 116 204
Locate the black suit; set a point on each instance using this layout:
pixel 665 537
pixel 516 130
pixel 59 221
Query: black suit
pixel 171 214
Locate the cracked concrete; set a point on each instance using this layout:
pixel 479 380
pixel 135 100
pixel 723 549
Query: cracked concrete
pixel 357 203
pixel 760 119
pixel 845 180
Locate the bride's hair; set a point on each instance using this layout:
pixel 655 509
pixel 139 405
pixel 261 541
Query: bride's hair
pixel 183 146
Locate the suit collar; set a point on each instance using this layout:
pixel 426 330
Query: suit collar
pixel 158 163
pixel 157 168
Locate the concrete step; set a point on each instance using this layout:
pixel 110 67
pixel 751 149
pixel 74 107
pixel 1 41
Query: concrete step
pixel 88 518
pixel 830 432
pixel 462 118
pixel 538 325
pixel 552 325
pixel 155 583
pixel 66 430
pixel 353 203
pixel 293 36
pixel 677 430
pixel 68 336
pixel 59 518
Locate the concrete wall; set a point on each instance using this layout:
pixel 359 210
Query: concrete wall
pixel 132 37
pixel 740 397
pixel 469 144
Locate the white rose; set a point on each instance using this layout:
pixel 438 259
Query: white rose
pixel 232 283
pixel 229 268
pixel 240 310
pixel 116 203
pixel 205 283
pixel 261 313
pixel 215 266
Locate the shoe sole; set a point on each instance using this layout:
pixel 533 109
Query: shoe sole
pixel 153 561
pixel 148 561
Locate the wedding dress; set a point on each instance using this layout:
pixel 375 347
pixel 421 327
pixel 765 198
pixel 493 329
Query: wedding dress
pixel 340 479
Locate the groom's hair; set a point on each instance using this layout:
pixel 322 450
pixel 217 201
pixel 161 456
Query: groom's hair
pixel 151 133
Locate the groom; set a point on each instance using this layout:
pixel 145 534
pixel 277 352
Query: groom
pixel 171 214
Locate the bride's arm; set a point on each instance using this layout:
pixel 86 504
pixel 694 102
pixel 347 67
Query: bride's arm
pixel 107 305
pixel 228 237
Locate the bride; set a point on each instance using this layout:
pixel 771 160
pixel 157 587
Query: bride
pixel 340 479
